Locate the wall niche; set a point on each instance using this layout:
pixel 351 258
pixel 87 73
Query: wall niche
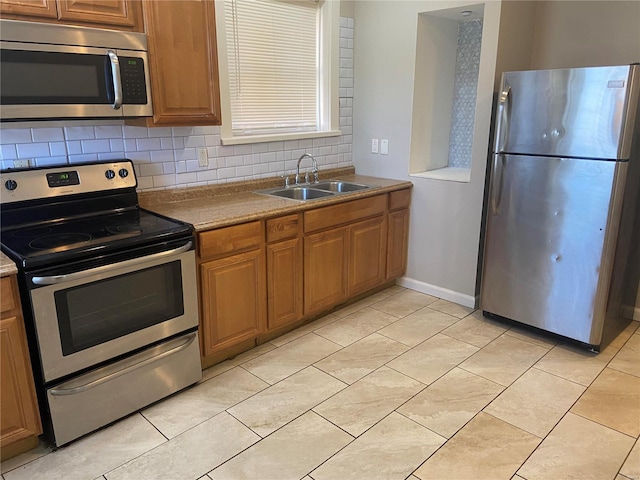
pixel 449 43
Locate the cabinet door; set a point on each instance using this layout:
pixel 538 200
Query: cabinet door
pixel 398 238
pixel 39 9
pixel 123 14
pixel 115 14
pixel 183 62
pixel 284 282
pixel 325 269
pixel 233 300
pixel 367 255
pixel 19 416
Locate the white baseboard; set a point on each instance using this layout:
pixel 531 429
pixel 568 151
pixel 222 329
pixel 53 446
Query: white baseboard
pixel 450 295
pixel 629 311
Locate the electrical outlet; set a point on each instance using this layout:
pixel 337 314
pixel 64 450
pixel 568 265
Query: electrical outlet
pixel 384 147
pixel 374 145
pixel 203 157
pixel 21 163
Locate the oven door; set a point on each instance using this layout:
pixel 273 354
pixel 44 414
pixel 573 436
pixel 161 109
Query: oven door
pixel 93 315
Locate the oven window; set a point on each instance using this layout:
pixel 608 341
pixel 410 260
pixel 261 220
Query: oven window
pixel 97 312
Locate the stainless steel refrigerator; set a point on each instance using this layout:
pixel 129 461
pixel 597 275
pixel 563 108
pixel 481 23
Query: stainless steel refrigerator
pixel 563 201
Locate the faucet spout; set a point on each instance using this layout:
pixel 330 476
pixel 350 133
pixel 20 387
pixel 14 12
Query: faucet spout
pixel 314 167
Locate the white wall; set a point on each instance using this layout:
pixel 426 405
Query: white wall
pixel 445 216
pixel 586 33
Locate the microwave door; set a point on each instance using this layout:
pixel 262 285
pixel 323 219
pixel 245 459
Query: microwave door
pixel 54 84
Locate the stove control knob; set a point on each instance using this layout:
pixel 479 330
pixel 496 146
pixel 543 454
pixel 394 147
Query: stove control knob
pixel 11 184
pixel 109 174
pixel 123 172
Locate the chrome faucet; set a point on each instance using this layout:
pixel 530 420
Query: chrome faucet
pixel 314 169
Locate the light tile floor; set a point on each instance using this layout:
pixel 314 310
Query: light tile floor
pixel 399 385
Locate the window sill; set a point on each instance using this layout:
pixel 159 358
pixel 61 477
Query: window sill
pixel 448 174
pixel 278 137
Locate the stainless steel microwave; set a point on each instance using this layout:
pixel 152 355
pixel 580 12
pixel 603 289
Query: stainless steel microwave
pixel 50 71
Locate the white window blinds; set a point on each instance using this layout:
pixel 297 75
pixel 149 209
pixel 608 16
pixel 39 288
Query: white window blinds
pixel 272 48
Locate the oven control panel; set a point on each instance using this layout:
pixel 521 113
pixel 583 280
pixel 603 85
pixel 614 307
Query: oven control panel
pixel 36 183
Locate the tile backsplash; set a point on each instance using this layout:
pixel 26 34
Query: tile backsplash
pixel 166 157
pixel 465 93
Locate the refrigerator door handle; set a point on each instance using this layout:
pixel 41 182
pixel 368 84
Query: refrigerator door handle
pixel 502 119
pixel 496 182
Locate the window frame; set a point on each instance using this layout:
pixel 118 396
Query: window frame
pixel 328 95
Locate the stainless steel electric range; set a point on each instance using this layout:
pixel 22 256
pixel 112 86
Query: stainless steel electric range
pixel 108 291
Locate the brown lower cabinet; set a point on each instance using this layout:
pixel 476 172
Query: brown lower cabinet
pixel 284 270
pixel 232 299
pixel 367 255
pixel 261 278
pixel 19 418
pixel 398 233
pixel 343 262
pixel 284 283
pixel 325 269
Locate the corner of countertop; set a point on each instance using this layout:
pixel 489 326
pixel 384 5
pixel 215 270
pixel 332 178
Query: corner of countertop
pixel 7 266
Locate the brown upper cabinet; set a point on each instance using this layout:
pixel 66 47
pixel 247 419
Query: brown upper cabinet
pixel 115 14
pixel 183 62
pixel 181 36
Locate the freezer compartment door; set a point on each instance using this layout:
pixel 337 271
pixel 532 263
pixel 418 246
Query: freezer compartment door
pixel 549 233
pixel 580 113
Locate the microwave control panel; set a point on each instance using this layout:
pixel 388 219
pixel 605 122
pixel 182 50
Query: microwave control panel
pixel 134 90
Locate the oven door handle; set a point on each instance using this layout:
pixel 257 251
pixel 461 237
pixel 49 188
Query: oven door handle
pixel 55 279
pixel 108 373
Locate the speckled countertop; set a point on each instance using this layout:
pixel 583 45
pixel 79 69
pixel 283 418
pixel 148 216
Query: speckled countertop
pixel 7 267
pixel 205 208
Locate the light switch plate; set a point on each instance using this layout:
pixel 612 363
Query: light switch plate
pixel 384 146
pixel 374 145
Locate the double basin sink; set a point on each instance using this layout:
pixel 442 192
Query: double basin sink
pixel 312 191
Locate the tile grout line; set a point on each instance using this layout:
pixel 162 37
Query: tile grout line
pixel 395 410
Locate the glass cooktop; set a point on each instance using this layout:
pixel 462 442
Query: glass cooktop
pixel 36 245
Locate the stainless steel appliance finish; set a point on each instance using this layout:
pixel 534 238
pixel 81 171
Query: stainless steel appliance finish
pixel 563 197
pixel 108 291
pixel 57 364
pixel 31 184
pixel 61 71
pixel 86 403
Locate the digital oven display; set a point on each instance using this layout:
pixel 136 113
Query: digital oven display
pixel 63 179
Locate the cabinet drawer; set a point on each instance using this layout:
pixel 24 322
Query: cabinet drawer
pixel 343 213
pixel 230 240
pixel 7 297
pixel 399 199
pixel 282 228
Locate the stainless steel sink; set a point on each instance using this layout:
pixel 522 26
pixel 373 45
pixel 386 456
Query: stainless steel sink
pixel 340 186
pixel 299 193
pixel 312 191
